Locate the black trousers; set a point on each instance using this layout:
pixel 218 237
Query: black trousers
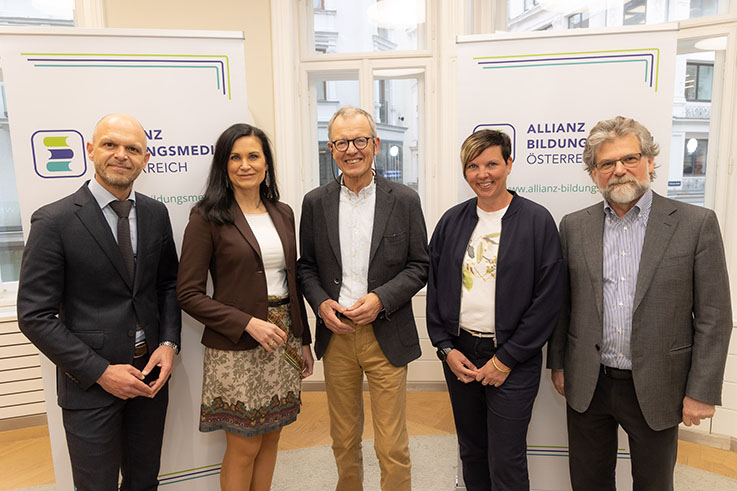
pixel 125 436
pixel 491 422
pixel 592 439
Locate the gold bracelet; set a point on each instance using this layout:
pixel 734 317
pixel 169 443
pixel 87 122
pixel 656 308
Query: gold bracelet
pixel 493 361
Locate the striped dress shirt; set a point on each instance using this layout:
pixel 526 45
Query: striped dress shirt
pixel 623 240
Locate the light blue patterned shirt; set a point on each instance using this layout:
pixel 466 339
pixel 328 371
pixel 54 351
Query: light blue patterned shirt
pixel 104 198
pixel 623 240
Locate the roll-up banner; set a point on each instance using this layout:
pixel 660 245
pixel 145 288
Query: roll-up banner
pixel 185 88
pixel 546 91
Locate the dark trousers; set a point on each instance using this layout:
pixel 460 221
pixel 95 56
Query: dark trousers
pixel 491 422
pixel 125 436
pixel 592 439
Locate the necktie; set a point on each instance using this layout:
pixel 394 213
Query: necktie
pixel 123 208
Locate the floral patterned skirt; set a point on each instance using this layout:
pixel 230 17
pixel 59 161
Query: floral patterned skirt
pixel 253 392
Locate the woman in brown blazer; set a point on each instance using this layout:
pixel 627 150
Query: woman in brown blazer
pixel 256 334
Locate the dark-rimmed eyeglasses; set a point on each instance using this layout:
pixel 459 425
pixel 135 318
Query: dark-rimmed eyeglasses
pixel 360 143
pixel 629 161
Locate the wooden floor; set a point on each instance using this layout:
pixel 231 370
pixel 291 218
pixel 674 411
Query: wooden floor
pixel 25 455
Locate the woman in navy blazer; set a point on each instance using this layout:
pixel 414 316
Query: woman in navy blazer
pixel 493 296
pixel 256 334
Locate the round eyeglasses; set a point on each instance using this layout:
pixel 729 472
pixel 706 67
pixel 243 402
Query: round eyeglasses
pixel 628 161
pixel 360 143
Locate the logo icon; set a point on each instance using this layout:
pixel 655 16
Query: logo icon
pixel 58 153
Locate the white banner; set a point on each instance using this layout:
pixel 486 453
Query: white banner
pixel 546 92
pixel 185 88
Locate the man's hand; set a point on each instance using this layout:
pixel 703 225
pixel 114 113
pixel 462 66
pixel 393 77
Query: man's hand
pixel 694 411
pixel 328 315
pixel 162 357
pixel 124 382
pixel 558 379
pixel 308 361
pixel 461 366
pixel 491 375
pixel 365 310
pixel 268 335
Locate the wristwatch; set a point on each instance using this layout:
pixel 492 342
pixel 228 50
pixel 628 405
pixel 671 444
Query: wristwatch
pixel 172 345
pixel 443 353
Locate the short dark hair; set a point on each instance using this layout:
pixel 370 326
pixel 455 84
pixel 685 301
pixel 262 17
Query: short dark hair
pixel 215 204
pixel 479 141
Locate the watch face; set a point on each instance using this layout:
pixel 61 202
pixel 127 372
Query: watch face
pixel 443 353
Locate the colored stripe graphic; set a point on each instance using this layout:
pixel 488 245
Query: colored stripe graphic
pixel 189 474
pixel 219 63
pixel 61 153
pixel 650 57
pixel 558 451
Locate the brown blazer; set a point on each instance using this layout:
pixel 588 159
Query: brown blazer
pixel 232 255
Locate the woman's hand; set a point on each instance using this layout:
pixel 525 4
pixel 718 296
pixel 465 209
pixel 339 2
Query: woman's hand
pixel 461 366
pixel 308 361
pixel 267 334
pixel 494 373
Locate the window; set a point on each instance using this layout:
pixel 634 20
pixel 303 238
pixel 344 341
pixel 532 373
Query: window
pixel 694 156
pixel 699 79
pixel 635 12
pixel 577 21
pixel 367 25
pixel 19 13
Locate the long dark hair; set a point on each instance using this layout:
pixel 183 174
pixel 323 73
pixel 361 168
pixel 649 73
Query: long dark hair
pixel 215 204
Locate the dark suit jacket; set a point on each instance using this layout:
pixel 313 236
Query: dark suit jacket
pixel 232 255
pixel 681 318
pixel 398 262
pixel 75 299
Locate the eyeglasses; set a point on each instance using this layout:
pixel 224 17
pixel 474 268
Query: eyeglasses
pixel 360 143
pixel 629 161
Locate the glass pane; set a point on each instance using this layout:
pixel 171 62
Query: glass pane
pixel 350 26
pixel 524 15
pixel 11 234
pixel 691 124
pixel 37 12
pixel 703 87
pixel 337 93
pixel 396 111
pixel 692 71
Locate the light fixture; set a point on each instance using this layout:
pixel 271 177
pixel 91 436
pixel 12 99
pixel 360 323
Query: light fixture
pixel 397 14
pixel 712 44
pixel 394 151
pixel 691 145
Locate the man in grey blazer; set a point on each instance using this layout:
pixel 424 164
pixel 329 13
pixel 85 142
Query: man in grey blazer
pixel 97 297
pixel 363 256
pixel 643 334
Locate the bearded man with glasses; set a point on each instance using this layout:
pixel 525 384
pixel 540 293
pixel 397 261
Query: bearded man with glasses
pixel 364 255
pixel 642 338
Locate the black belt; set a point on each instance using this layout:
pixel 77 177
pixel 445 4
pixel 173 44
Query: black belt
pixel 278 301
pixel 616 373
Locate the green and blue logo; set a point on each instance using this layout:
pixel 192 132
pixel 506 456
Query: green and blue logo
pixel 58 153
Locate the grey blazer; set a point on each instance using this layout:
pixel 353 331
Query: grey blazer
pixel 681 320
pixel 397 270
pixel 76 302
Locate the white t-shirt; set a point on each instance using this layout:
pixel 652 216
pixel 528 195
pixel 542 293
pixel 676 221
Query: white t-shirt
pixel 479 272
pixel 272 253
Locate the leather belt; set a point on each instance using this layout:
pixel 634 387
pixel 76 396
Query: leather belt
pixel 278 301
pixel 616 373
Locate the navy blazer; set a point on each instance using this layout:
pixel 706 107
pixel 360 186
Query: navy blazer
pixel 529 281
pixel 76 302
pixel 397 270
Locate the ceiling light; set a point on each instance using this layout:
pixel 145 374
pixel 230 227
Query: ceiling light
pixel 712 44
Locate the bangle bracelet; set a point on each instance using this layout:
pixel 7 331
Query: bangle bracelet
pixel 493 361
